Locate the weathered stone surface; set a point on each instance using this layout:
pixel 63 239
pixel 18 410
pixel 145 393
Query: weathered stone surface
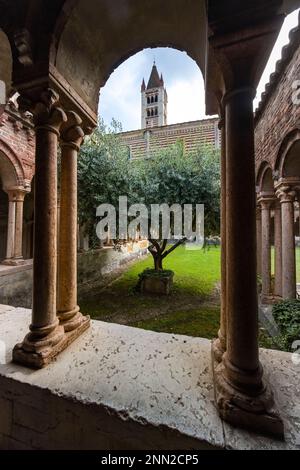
pixel 284 376
pixel 141 377
pixel 120 387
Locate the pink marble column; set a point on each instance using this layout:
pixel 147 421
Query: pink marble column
pixel 219 345
pixel 278 250
pixel 258 239
pixel 68 310
pixel 266 203
pixel 287 195
pixel 45 338
pixel 14 251
pixel 242 397
pixel 11 224
pixel 18 255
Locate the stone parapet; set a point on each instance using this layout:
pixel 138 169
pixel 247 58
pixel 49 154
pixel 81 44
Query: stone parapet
pixel 120 387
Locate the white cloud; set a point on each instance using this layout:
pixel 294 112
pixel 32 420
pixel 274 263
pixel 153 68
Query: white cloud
pixel 186 100
pixel 120 98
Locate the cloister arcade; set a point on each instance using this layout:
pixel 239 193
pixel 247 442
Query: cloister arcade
pixel 278 201
pixel 62 54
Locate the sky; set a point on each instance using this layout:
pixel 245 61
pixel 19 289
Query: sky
pixel 121 97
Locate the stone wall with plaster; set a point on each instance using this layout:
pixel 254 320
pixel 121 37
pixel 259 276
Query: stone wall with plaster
pixel 95 269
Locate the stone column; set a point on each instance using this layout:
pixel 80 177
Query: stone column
pixel 18 255
pixel 14 251
pixel 258 239
pixel 46 337
pixel 242 397
pixel 11 224
pixel 68 311
pixel 219 346
pixel 287 199
pixel 278 250
pixel 266 203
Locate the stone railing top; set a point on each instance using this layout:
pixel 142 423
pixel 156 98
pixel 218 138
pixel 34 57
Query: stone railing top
pixel 159 381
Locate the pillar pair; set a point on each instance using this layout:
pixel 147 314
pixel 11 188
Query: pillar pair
pixel 242 396
pixel 284 234
pixel 287 196
pixel 14 255
pixel 56 320
pixel 268 203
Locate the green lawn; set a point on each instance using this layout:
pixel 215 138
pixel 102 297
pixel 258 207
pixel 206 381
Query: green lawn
pixel 192 308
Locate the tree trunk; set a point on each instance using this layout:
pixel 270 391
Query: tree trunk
pixel 157 262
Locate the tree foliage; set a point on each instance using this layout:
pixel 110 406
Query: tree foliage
pixel 170 176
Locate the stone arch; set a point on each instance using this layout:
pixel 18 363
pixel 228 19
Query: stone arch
pixel 265 180
pixel 109 38
pixel 287 162
pixel 11 170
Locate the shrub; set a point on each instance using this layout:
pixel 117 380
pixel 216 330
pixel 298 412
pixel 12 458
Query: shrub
pixel 287 317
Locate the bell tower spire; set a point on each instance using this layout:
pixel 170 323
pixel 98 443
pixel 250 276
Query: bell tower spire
pixel 154 100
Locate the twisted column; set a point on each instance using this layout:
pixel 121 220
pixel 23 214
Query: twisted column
pixel 68 311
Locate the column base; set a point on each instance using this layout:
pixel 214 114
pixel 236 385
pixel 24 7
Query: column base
pixel 13 262
pixel 71 320
pixel 38 354
pixel 217 350
pixel 253 413
pixel 270 299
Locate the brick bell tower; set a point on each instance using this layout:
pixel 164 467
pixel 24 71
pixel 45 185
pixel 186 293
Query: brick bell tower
pixel 154 101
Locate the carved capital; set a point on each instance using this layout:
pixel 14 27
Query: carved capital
pixel 46 111
pixel 72 134
pixel 16 194
pixel 266 202
pixel 286 194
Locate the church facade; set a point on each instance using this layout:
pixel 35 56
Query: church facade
pixel 156 134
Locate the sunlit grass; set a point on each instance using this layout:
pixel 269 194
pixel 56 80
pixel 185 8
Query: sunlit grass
pixel 184 311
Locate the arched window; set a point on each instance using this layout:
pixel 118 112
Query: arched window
pixel 148 113
pixel 152 114
pixel 148 100
pixel 156 111
pixel 156 98
pixel 152 99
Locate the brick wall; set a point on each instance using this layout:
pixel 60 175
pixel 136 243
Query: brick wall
pixel 143 142
pixel 17 144
pixel 277 115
